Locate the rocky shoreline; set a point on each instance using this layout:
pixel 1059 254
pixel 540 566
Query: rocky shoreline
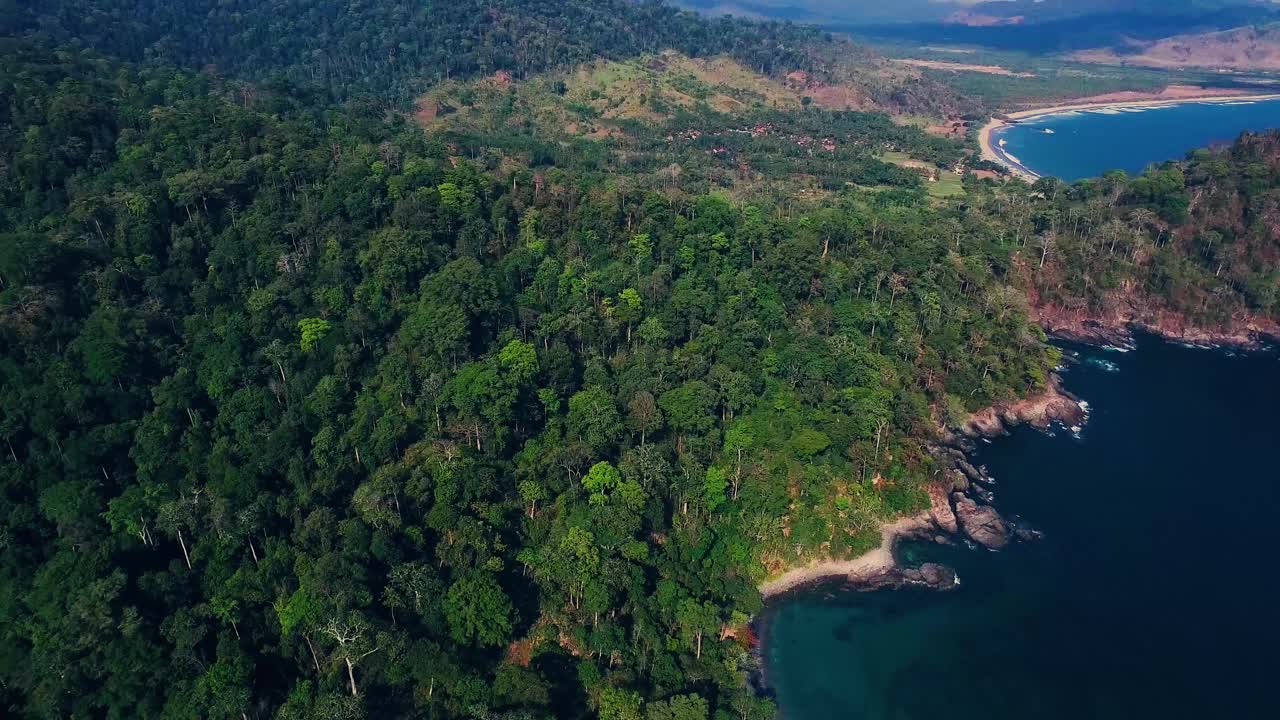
pixel 961 509
pixel 1042 410
pixel 1118 327
pixel 961 504
pixel 962 499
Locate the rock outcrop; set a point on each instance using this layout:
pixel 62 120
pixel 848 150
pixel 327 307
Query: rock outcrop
pixel 930 575
pixel 981 523
pixel 940 511
pixel 1041 410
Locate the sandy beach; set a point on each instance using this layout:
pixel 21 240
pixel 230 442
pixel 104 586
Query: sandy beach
pixel 863 566
pixel 992 151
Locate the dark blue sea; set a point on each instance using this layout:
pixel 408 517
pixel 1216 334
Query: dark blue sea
pixel 1087 143
pixel 1155 592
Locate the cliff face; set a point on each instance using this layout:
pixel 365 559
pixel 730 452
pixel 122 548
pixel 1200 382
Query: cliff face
pixel 1115 325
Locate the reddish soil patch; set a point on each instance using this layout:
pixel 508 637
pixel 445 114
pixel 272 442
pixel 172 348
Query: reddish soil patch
pixel 837 97
pixel 426 111
pixel 953 129
pixel 520 652
pixel 797 80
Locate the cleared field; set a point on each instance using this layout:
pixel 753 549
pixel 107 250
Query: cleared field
pixel 963 67
pixel 948 184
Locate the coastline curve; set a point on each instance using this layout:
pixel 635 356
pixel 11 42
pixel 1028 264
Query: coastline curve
pixel 989 140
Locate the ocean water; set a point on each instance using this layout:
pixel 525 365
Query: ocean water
pixel 1087 143
pixel 1155 592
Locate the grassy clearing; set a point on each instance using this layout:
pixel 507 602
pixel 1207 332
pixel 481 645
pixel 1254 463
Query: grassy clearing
pixel 660 85
pixel 598 100
pixel 938 183
pixel 948 185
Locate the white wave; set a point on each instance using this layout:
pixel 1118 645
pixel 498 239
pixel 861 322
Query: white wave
pixel 1106 365
pixel 1039 119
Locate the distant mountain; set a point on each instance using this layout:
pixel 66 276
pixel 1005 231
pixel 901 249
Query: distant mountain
pixel 1245 48
pixel 959 12
pixel 1028 25
pixel 824 12
pixel 1050 26
pixel 1029 12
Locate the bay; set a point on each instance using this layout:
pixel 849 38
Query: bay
pixel 1153 594
pixel 1087 143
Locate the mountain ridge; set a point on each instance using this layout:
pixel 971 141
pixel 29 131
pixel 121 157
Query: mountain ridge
pixel 1251 47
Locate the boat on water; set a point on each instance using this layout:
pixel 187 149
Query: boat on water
pixel 1048 131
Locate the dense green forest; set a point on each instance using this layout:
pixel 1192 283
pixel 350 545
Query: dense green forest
pixel 310 413
pixel 395 49
pixel 302 417
pixel 1199 239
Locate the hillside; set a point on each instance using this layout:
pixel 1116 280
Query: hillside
pixel 401 369
pixel 308 416
pixel 395 50
pixel 1188 250
pixel 1246 48
pixel 684 123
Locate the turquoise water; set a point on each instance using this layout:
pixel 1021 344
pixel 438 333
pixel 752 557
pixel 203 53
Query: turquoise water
pixel 1087 143
pixel 1152 595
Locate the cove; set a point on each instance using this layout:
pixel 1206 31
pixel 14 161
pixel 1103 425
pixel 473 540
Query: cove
pixel 1087 143
pixel 1153 593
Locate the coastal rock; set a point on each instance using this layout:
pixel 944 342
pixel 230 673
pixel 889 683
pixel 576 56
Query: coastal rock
pixel 981 523
pixel 937 576
pixel 940 510
pixel 931 575
pixel 1051 405
pixel 969 470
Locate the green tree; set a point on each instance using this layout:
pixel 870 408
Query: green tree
pixel 312 331
pixel 593 418
pixel 678 707
pixel 618 704
pixel 478 610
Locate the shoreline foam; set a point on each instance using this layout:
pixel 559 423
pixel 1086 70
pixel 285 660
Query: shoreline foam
pixel 991 150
